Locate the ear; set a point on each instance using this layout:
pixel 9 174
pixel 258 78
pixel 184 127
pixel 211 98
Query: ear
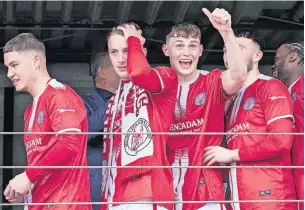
pixel 257 56
pixel 145 51
pixel 201 49
pixel 102 73
pixel 36 61
pixel 292 57
pixel 165 50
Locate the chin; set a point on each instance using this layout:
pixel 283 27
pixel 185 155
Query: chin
pixel 123 75
pixel 186 72
pixel 18 89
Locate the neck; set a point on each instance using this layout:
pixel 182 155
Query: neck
pixel 39 85
pixel 253 74
pixel 187 78
pixel 293 78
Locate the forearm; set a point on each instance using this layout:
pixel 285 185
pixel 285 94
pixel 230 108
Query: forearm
pixel 65 149
pixel 270 146
pixel 236 63
pixel 139 70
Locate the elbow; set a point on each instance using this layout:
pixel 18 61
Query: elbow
pixel 285 144
pixel 71 143
pixel 133 74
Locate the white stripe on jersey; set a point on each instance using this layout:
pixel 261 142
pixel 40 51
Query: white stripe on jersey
pixel 181 159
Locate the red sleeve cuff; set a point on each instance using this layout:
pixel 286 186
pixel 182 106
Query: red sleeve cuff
pixel 33 174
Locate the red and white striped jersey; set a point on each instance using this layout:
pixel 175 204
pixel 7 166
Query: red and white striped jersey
pixel 199 108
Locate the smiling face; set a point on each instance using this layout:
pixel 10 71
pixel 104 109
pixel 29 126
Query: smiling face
pixel 184 50
pixel 184 54
pixel 280 68
pixel 21 69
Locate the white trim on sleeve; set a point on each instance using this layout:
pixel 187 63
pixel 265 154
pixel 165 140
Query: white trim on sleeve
pixel 68 129
pixel 280 117
pixel 161 81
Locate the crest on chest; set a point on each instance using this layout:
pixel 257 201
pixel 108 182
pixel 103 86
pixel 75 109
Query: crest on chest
pixel 249 103
pixel 200 99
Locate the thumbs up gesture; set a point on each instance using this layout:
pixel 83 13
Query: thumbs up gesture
pixel 220 19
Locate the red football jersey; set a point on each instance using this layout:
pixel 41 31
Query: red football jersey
pixel 297 94
pixel 199 108
pixel 57 109
pixel 144 104
pixel 263 106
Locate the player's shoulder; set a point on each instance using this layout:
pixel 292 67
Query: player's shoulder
pixel 270 82
pixel 57 87
pixel 60 90
pixel 212 76
pixel 212 73
pixel 269 86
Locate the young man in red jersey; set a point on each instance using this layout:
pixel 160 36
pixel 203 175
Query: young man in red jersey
pixel 289 68
pixel 144 103
pixel 262 105
pixel 200 107
pixel 55 108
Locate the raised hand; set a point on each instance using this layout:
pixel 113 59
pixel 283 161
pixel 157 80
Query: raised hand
pixel 130 30
pixel 220 19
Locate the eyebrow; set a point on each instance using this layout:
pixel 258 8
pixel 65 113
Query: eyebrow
pixel 11 63
pixel 114 49
pixel 194 41
pixel 178 41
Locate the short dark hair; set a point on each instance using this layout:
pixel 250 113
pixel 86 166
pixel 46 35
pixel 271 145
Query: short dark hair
pixel 298 47
pixel 251 34
pixel 24 42
pixel 184 30
pixel 100 60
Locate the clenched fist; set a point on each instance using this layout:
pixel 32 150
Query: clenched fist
pixel 220 19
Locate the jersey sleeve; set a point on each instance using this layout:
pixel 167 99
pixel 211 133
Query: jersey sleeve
pixel 66 114
pixel 277 105
pixel 276 101
pixel 153 80
pixel 271 145
pixel 214 85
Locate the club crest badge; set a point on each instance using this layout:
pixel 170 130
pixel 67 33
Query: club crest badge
pixel 200 99
pixel 137 138
pixel 249 103
pixel 40 117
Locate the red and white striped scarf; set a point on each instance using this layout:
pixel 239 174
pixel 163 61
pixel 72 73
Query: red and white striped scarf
pixel 125 114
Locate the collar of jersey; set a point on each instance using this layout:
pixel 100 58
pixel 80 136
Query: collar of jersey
pixel 191 81
pixel 45 87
